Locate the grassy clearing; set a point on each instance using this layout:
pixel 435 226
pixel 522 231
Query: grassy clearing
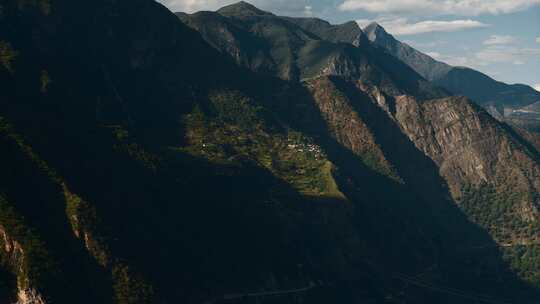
pixel 234 131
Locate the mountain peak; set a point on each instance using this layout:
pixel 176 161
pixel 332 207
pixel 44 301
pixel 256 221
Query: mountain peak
pixel 351 25
pixel 374 25
pixel 242 9
pixel 375 31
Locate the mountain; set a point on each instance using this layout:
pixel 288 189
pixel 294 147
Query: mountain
pixel 284 47
pixel 243 9
pixel 487 90
pixel 459 80
pixel 473 173
pixel 423 64
pixel 348 32
pixel 143 162
pixel 527 117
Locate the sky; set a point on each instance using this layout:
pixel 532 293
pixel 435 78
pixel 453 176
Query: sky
pixel 498 37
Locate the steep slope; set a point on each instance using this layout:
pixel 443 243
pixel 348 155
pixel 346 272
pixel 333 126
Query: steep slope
pixel 527 117
pixel 423 64
pixel 109 143
pixel 459 80
pixel 154 170
pixel 477 155
pixel 299 49
pixel 463 157
pixel 492 172
pixel 248 50
pixel 486 90
pixel 281 40
pixel 495 189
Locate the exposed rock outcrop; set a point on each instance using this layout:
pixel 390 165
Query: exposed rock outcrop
pixel 13 254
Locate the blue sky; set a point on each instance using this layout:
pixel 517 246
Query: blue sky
pixel 498 37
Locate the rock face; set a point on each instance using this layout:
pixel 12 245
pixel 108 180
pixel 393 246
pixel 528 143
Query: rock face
pixel 472 150
pixel 29 296
pixel 347 127
pixel 15 256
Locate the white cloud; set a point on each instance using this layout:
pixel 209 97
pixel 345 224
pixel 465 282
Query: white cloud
pixel 401 26
pixel 438 7
pixel 506 54
pixel 430 44
pixel 434 54
pixel 537 39
pixel 364 22
pixel 308 10
pixel 537 87
pixel 281 7
pixel 491 56
pixel 452 59
pixel 500 39
pixel 190 6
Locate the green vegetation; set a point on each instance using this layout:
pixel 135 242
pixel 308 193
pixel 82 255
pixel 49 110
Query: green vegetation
pixel 144 203
pixel 341 117
pixel 130 288
pixel 133 149
pixel 235 109
pixel 6 131
pixel 83 219
pixel 234 131
pixel 7 55
pixel 497 210
pixel 44 6
pixel 45 81
pixel 29 259
pixel 27 256
pixel 525 260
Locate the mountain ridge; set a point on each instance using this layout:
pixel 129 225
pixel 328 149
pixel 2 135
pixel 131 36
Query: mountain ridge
pixel 458 80
pixel 242 8
pixel 298 54
pixel 426 66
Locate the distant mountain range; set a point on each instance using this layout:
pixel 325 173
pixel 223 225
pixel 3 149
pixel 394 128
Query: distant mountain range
pixel 238 157
pixel 459 80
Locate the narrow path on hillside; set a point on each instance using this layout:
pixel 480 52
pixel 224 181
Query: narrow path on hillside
pixel 458 293
pixel 448 290
pixel 234 296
